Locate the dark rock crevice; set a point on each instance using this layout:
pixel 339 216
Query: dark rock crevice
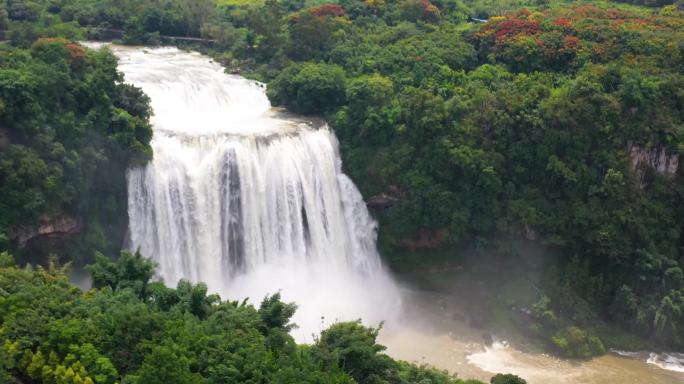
pixel 60 226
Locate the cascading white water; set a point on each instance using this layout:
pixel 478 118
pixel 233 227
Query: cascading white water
pixel 246 200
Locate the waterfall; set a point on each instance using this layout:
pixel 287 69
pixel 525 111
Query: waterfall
pixel 247 199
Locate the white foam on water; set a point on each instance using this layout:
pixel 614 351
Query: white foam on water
pixel 669 361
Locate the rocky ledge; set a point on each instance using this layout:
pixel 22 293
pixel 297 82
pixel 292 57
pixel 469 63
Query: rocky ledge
pixel 58 226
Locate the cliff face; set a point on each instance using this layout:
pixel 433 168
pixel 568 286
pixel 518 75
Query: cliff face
pixel 59 226
pixel 659 158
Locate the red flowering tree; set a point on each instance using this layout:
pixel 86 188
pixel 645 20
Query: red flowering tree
pixel 527 41
pixel 423 10
pixel 312 29
pixel 328 10
pixel 50 49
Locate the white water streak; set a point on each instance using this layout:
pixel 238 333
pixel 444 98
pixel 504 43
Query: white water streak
pixel 246 201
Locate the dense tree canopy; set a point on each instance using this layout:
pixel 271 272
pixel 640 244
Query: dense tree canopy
pixel 561 123
pixel 52 332
pixel 71 129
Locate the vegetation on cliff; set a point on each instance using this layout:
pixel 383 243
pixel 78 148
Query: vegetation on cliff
pixel 73 127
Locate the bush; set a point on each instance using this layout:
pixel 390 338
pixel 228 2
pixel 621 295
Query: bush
pixel 352 347
pixel 309 88
pixel 574 342
pixel 507 379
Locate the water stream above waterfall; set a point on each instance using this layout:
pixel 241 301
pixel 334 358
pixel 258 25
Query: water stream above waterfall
pixel 252 201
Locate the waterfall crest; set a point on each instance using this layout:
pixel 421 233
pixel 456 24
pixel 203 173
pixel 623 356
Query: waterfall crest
pixel 247 200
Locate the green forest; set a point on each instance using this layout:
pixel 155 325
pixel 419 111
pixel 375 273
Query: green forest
pixel 70 128
pixel 478 123
pixel 131 330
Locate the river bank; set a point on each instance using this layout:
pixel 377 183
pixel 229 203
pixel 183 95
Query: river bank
pixel 465 314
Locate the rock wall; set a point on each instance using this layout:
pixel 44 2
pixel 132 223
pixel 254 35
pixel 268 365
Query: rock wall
pixel 59 226
pixel 659 158
pixel 381 202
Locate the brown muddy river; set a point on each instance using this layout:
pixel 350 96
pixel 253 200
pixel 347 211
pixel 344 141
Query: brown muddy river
pixel 429 333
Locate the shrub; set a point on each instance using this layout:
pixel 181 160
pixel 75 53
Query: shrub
pixel 574 342
pixel 507 379
pixel 309 88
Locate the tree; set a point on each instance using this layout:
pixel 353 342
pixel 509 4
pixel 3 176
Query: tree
pixel 194 299
pixel 275 316
pixel 167 364
pixel 265 27
pixel 73 129
pixel 352 347
pixel 52 332
pixel 312 31
pixel 424 10
pixel 309 88
pixel 574 342
pixel 129 271
pixel 507 379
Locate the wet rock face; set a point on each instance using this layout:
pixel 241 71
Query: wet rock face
pixel 658 158
pixel 389 198
pixel 381 202
pixel 59 226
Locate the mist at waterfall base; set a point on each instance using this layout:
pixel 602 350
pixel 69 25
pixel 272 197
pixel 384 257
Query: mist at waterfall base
pixel 248 201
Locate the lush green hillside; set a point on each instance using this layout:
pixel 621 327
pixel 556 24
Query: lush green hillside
pixel 131 330
pixel 562 125
pixel 71 127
